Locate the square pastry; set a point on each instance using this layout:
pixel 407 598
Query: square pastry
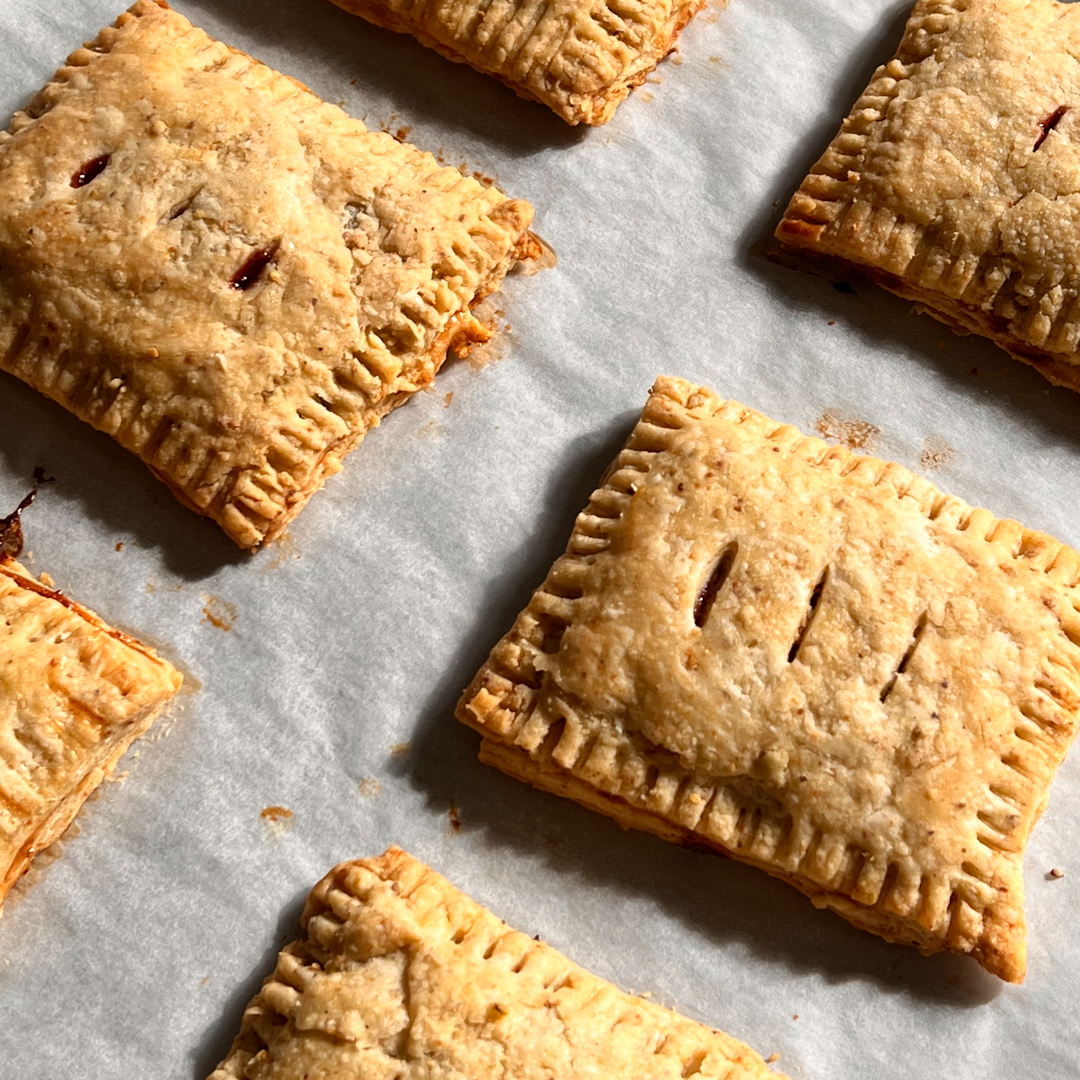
pixel 953 181
pixel 231 277
pixel 581 58
pixel 809 660
pixel 74 695
pixel 400 976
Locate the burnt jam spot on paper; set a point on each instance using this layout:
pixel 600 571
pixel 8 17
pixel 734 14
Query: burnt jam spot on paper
pixel 11 533
pixel 90 171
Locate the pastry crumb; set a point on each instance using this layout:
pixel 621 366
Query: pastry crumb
pixel 455 818
pixel 446 400
pixel 370 788
pixel 47 580
pixel 399 748
pixel 1056 873
pixel 772 1059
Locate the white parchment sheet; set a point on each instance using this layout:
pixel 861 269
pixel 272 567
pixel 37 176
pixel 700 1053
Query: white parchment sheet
pixel 326 678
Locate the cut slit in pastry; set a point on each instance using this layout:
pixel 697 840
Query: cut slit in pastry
pixel 231 277
pixel 809 660
pixel 952 181
pixel 74 695
pixel 402 977
pixel 581 58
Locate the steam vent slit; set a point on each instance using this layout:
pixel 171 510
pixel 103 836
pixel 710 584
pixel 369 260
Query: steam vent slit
pixel 1048 124
pixel 253 267
pixel 90 171
pixel 916 637
pixel 721 571
pixel 811 611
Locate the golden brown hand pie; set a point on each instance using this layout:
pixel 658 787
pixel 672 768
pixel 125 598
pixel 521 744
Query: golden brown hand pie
pixel 74 695
pixel 953 181
pixel 579 57
pixel 810 660
pixel 228 275
pixel 401 977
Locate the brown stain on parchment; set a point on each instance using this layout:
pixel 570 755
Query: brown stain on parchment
pixel 41 862
pixel 218 612
pixel 936 454
pixel 370 788
pixel 854 434
pixel 277 819
pixel 281 550
pixel 399 748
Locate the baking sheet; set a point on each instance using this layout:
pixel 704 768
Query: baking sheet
pixel 323 672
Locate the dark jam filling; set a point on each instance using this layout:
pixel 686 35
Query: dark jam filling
pixel 253 268
pixel 90 171
pixel 1048 124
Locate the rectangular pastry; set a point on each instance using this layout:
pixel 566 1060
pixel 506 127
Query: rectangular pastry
pixel 400 976
pixel 228 275
pixel 807 659
pixel 952 182
pixel 74 695
pixel 581 58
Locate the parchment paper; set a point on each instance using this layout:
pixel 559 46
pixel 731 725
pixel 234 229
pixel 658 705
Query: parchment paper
pixel 323 672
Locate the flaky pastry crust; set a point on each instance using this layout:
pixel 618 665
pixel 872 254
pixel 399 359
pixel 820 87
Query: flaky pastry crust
pixel 231 277
pixel 401 977
pixel 74 695
pixel 581 58
pixel 806 659
pixel 953 181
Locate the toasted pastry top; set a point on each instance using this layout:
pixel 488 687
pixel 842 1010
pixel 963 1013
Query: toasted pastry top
pixel 233 278
pixel 815 659
pixel 402 976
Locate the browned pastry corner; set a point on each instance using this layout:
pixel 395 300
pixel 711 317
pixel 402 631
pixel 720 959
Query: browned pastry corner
pixel 807 659
pixel 231 277
pixel 74 695
pixel 952 182
pixel 399 976
pixel 581 58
